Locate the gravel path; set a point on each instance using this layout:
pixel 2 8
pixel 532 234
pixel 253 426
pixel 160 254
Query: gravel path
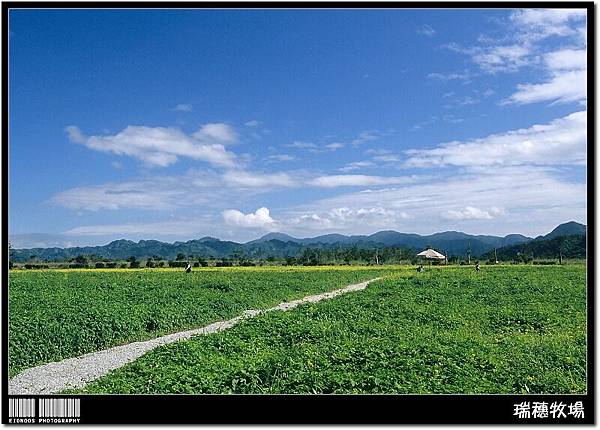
pixel 76 372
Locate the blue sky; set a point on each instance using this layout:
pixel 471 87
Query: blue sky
pixel 177 124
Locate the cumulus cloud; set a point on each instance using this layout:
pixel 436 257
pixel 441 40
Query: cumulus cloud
pixel 161 146
pixel 259 219
pixel 563 141
pixel 252 123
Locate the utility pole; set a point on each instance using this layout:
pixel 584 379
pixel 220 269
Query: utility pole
pixel 560 256
pixel 469 253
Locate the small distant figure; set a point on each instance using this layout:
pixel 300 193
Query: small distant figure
pixel 477 266
pixel 420 269
pixel 188 268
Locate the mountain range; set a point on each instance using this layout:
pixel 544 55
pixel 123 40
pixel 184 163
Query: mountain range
pixel 282 245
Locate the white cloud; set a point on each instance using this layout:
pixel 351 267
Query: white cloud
pixel 389 158
pixel 376 151
pixel 280 157
pixel 204 189
pixel 184 107
pixel 75 135
pixel 563 141
pixel 563 72
pixel 471 212
pixel 566 59
pixel 533 25
pixel 244 179
pixel 462 76
pixel 364 137
pixel 180 227
pixel 356 165
pixel 334 146
pixel 216 132
pixel 426 30
pixel 160 146
pixel 342 216
pixel 259 219
pixel 537 199
pixel 501 58
pixel 562 88
pixel 451 119
pixel 148 195
pixel 252 123
pixel 567 82
pixel 332 181
pixel 116 164
pixel 425 123
pixel 40 240
pixel 302 145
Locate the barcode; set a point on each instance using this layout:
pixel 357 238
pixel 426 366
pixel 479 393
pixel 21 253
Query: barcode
pixel 21 408
pixel 59 408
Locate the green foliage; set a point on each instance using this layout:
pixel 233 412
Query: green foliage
pixel 448 330
pixel 57 314
pixel 571 247
pixel 81 259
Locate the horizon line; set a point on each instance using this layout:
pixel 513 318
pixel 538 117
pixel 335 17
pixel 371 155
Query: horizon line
pixel 286 234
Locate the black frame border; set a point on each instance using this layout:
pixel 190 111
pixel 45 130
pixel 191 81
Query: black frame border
pixel 316 409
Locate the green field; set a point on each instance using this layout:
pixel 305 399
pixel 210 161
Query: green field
pixel 55 314
pixel 511 329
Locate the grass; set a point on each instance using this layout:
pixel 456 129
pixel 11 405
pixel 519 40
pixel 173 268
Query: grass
pixel 56 314
pixel 511 329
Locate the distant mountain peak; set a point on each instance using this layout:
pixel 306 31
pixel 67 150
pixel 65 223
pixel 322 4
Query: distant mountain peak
pixel 207 239
pixel 567 229
pixel 275 236
pixel 122 242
